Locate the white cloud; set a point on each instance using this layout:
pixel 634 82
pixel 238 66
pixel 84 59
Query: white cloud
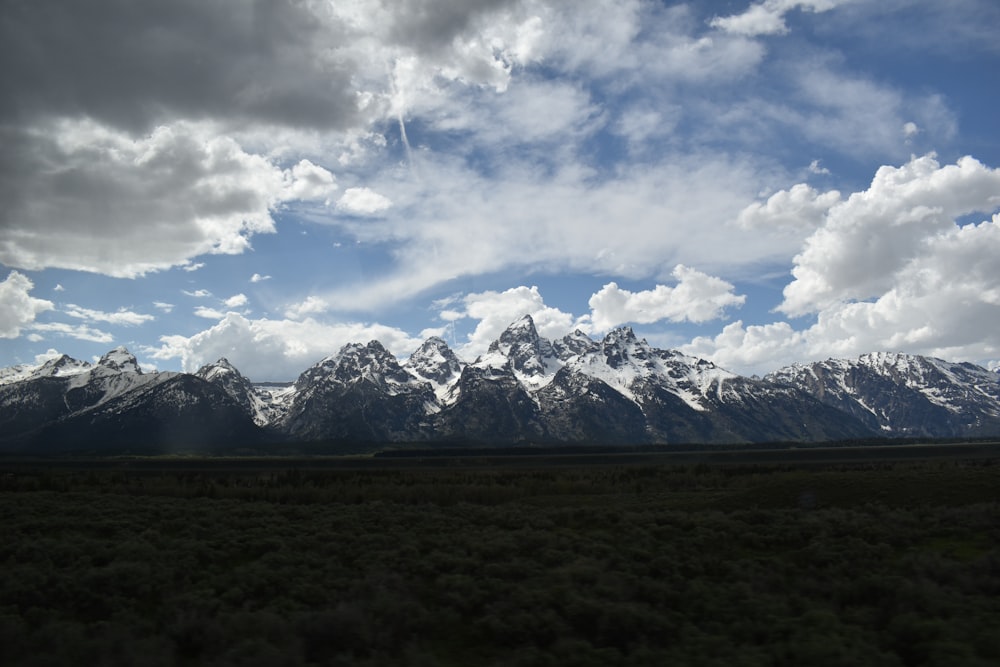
pixel 258 278
pixel 209 313
pixel 641 124
pixel 910 130
pixel 277 350
pixel 816 168
pixel 191 268
pixel 697 297
pixel 308 181
pixel 800 209
pixel 48 355
pixel 80 331
pixel 754 349
pixel 867 239
pixel 120 318
pixel 767 17
pixel 363 201
pixel 310 306
pixel 18 308
pixel 452 222
pixel 944 302
pixel 58 288
pixel 236 301
pixel 496 310
pixel 198 294
pixel 165 307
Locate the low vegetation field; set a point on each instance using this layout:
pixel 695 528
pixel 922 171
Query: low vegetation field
pixel 283 562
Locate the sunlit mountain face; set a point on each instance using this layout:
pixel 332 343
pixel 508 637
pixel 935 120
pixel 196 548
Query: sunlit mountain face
pixel 754 184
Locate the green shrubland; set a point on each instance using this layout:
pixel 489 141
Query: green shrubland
pixel 874 564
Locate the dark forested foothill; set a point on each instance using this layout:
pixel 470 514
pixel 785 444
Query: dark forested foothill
pixel 893 564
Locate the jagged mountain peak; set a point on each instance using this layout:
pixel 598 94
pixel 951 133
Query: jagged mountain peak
pixel 356 362
pixel 62 365
pixel 520 332
pixel 620 337
pixel 904 394
pixel 120 360
pixel 435 362
pixel 621 345
pixel 531 357
pixel 574 344
pixel 216 369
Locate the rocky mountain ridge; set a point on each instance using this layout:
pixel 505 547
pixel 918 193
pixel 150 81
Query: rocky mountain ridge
pixel 525 388
pixel 904 395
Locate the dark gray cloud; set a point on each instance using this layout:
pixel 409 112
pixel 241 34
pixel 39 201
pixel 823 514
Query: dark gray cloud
pixel 132 63
pixel 431 25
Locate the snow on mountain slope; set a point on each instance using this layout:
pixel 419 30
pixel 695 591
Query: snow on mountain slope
pixel 904 394
pixel 61 366
pixel 435 363
pixel 624 363
pixel 264 407
pixel 525 388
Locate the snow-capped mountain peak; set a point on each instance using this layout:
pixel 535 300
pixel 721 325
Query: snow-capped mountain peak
pixel 531 357
pixel 217 369
pixel 619 389
pixel 120 360
pixel 436 363
pixel 904 393
pixel 61 366
pixel 573 344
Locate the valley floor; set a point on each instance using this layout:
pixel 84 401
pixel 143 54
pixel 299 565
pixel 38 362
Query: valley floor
pixel 875 562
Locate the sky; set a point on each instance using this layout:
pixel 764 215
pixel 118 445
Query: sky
pixel 755 183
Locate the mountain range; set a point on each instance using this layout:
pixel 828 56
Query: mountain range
pixel 525 389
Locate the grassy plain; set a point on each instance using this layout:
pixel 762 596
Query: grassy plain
pixel 452 561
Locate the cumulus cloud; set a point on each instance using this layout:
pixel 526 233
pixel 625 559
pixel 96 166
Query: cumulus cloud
pixel 269 63
pixel 18 308
pixel 495 311
pixel 121 317
pixel 308 181
pixel 163 306
pixel 799 209
pixel 363 201
pixel 751 349
pixel 198 293
pixel 944 302
pixel 209 313
pixel 276 350
pixel 889 268
pixel 258 278
pixel 89 198
pixel 867 239
pixel 697 297
pixel 236 301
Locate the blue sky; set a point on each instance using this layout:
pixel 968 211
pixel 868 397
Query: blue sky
pixel 758 183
